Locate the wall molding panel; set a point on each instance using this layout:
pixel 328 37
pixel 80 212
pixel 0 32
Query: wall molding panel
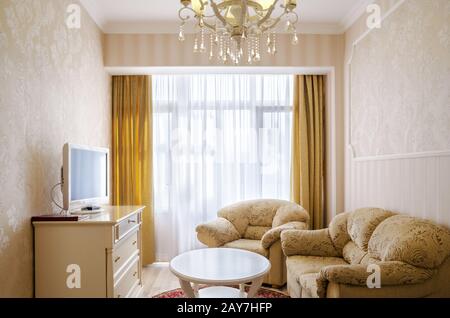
pixel 412 174
pixel 396 104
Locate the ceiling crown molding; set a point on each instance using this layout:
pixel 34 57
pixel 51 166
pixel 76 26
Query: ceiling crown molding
pixel 171 27
pixel 354 14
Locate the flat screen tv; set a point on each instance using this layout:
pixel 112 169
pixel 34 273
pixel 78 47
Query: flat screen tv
pixel 85 177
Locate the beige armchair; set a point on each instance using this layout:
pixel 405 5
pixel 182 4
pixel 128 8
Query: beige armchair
pixel 256 226
pixel 413 257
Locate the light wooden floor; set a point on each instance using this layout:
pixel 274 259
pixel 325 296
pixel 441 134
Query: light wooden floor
pixel 157 279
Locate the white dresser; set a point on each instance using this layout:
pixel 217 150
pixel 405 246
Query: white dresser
pixel 97 257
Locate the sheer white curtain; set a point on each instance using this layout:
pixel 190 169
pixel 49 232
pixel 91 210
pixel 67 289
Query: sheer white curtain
pixel 218 139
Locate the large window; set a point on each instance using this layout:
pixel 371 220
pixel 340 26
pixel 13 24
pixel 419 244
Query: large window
pixel 218 139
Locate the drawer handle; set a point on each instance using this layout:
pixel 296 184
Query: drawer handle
pixel 135 273
pixel 134 243
pixel 117 259
pixel 131 221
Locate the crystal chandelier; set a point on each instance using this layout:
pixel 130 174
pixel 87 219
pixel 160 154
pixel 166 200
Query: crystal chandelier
pixel 236 27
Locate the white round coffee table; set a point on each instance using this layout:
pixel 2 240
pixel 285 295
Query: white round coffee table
pixel 220 268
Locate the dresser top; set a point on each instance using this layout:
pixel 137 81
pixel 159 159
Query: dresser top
pixel 109 214
pixel 113 214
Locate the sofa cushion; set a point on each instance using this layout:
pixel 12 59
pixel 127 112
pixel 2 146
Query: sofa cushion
pixel 411 240
pixel 237 215
pixel 338 231
pixel 353 254
pixel 300 265
pixel 290 213
pixel 362 223
pixel 249 245
pixel 252 212
pixel 262 212
pixel 255 232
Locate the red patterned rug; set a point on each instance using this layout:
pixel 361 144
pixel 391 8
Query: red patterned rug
pixel 262 293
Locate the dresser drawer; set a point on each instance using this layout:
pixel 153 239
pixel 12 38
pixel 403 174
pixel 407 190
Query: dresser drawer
pixel 127 225
pixel 124 250
pixel 128 280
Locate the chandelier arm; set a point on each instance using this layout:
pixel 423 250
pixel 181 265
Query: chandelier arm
pixel 268 14
pixel 185 18
pixel 202 5
pixel 244 12
pixel 209 26
pixel 296 18
pixel 277 20
pixel 217 13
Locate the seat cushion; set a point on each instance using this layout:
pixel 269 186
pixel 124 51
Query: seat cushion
pixel 249 245
pixel 353 254
pixel 297 266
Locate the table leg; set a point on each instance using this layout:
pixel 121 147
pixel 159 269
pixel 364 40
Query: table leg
pixel 187 288
pixel 256 285
pixel 195 290
pixel 242 293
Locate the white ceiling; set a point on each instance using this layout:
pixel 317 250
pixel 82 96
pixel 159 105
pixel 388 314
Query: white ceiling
pixel 161 16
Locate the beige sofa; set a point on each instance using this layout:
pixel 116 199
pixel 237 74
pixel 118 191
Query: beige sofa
pixel 413 256
pixel 256 226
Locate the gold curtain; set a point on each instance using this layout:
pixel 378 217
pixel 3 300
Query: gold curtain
pixel 132 182
pixel 308 147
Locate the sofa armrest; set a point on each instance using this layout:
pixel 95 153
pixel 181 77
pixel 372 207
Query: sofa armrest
pixel 308 243
pixel 217 233
pixel 274 234
pixel 391 273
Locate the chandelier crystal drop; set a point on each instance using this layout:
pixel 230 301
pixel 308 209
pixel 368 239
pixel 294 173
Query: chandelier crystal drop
pixel 237 27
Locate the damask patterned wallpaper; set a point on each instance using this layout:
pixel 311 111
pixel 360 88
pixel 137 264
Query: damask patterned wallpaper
pixel 53 89
pixel 400 83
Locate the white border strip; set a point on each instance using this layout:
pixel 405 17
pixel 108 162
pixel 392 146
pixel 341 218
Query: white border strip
pixel 412 155
pixel 173 70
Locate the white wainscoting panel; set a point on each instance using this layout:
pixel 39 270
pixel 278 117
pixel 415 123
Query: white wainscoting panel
pixel 416 186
